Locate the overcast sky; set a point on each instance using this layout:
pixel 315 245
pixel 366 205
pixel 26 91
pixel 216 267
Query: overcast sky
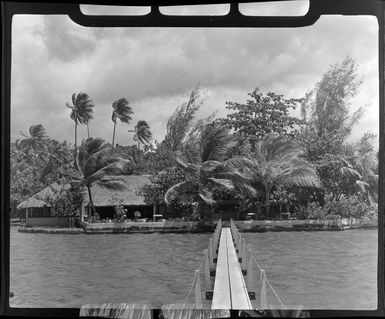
pixel 156 69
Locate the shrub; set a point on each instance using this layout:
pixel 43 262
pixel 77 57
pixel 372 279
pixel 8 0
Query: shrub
pixel 345 207
pixel 314 211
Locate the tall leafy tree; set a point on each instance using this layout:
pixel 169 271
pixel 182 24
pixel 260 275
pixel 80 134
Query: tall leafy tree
pixel 122 111
pixel 260 115
pixel 181 121
pixel 279 161
pixel 81 113
pixel 142 133
pixel 326 110
pixel 178 138
pixel 329 102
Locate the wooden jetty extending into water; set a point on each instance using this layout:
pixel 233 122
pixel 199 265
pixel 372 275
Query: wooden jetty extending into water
pixel 230 291
pixel 229 270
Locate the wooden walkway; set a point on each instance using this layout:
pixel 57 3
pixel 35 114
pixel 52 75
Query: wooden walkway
pixel 230 290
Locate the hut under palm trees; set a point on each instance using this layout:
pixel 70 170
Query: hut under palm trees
pixel 105 200
pixel 39 213
pixel 37 210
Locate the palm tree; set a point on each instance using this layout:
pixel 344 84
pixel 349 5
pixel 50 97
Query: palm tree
pixel 142 133
pixel 97 165
pixel 367 165
pixel 59 152
pixel 81 113
pixel 59 158
pixel 279 161
pixel 210 171
pixel 36 140
pixel 34 146
pixel 88 129
pixel 122 111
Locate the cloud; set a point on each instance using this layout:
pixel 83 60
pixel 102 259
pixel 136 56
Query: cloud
pixel 156 69
pixel 63 40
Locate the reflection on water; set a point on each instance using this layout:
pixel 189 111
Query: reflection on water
pixel 335 270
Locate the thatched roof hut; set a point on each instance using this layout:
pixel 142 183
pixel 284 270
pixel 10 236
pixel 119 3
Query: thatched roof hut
pixel 37 200
pixel 103 198
pixel 128 196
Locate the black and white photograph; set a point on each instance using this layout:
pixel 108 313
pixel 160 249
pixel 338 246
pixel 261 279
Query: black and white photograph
pixel 194 169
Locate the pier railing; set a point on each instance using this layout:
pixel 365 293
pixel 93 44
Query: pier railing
pixel 207 267
pixel 249 264
pixel 257 284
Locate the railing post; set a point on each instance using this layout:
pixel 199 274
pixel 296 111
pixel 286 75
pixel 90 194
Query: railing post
pixel 243 254
pixel 210 254
pixel 198 293
pixel 207 271
pixel 215 241
pixel 214 237
pixel 263 290
pixel 250 273
pixel 239 247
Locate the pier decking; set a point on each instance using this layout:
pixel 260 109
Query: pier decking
pixel 230 290
pixel 228 266
pixel 230 285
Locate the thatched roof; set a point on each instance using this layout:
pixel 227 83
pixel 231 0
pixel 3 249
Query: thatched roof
pixel 37 200
pixel 100 196
pixel 127 196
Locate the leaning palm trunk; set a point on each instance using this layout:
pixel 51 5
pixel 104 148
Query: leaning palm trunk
pixel 268 188
pixel 88 131
pixel 113 136
pixel 91 202
pixel 76 141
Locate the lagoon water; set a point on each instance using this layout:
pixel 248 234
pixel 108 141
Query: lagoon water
pixel 315 270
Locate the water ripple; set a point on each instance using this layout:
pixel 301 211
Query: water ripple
pixel 334 270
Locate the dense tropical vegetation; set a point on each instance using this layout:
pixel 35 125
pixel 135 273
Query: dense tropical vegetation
pixel 210 171
pixel 279 161
pixel 260 158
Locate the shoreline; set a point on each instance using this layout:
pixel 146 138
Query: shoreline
pixel 50 230
pixel 257 226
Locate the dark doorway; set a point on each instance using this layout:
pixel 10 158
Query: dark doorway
pixel 105 212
